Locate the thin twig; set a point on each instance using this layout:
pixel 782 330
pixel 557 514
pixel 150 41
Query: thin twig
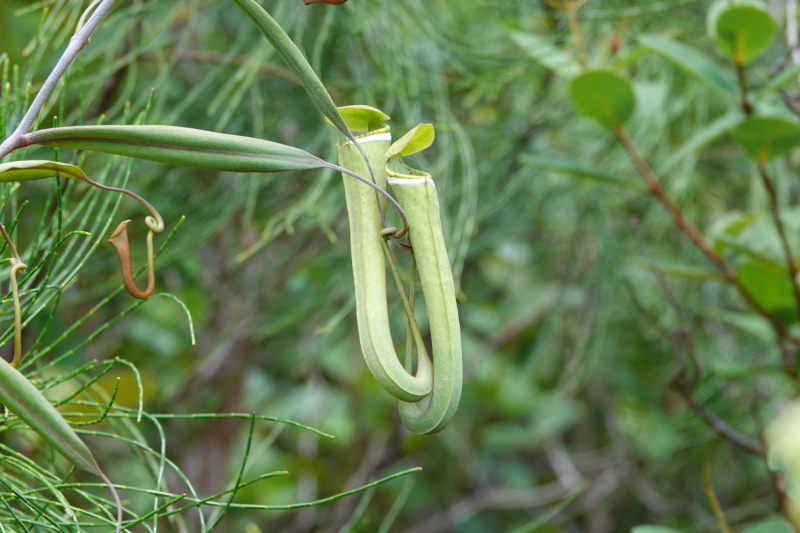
pixel 712 499
pixel 76 44
pixel 717 424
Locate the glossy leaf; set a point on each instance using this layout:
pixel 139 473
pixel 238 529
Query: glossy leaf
pixel 181 146
pixel 768 137
pixel 693 62
pixel 412 142
pixel 743 29
pixel 603 96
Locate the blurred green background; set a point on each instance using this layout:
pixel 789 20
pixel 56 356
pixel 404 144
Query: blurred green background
pixel 566 381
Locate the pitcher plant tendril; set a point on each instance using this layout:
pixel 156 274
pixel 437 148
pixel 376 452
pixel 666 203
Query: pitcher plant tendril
pixel 36 170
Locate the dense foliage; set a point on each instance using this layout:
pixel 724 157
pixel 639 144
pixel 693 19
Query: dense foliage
pixel 614 374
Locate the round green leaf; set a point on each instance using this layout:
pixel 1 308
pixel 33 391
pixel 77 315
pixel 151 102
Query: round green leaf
pixel 359 117
pixel 765 138
pixel 743 29
pixel 412 142
pixel 603 96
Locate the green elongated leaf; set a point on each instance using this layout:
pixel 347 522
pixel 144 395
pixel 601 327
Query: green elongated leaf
pixel 771 525
pixel 693 62
pixel 296 61
pixel 577 170
pixel 181 146
pixel 546 54
pixel 767 137
pixel 703 137
pixel 412 142
pixel 24 400
pixel 360 117
pixel 743 29
pixel 788 75
pixel 753 325
pixel 605 97
pixel 37 170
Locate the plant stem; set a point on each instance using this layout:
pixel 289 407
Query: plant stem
pixel 694 234
pixel 76 44
pixel 712 498
pixel 740 73
pixel 769 185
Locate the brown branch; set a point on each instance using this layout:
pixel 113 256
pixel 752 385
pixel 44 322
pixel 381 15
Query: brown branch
pixel 746 106
pixel 692 232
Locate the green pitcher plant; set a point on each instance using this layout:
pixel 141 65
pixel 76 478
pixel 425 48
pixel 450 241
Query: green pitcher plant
pixel 416 193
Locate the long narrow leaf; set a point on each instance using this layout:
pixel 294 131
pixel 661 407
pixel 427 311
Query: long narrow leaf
pixel 788 75
pixel 702 137
pixel 181 146
pixel 192 148
pixel 693 62
pixel 21 398
pixel 296 61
